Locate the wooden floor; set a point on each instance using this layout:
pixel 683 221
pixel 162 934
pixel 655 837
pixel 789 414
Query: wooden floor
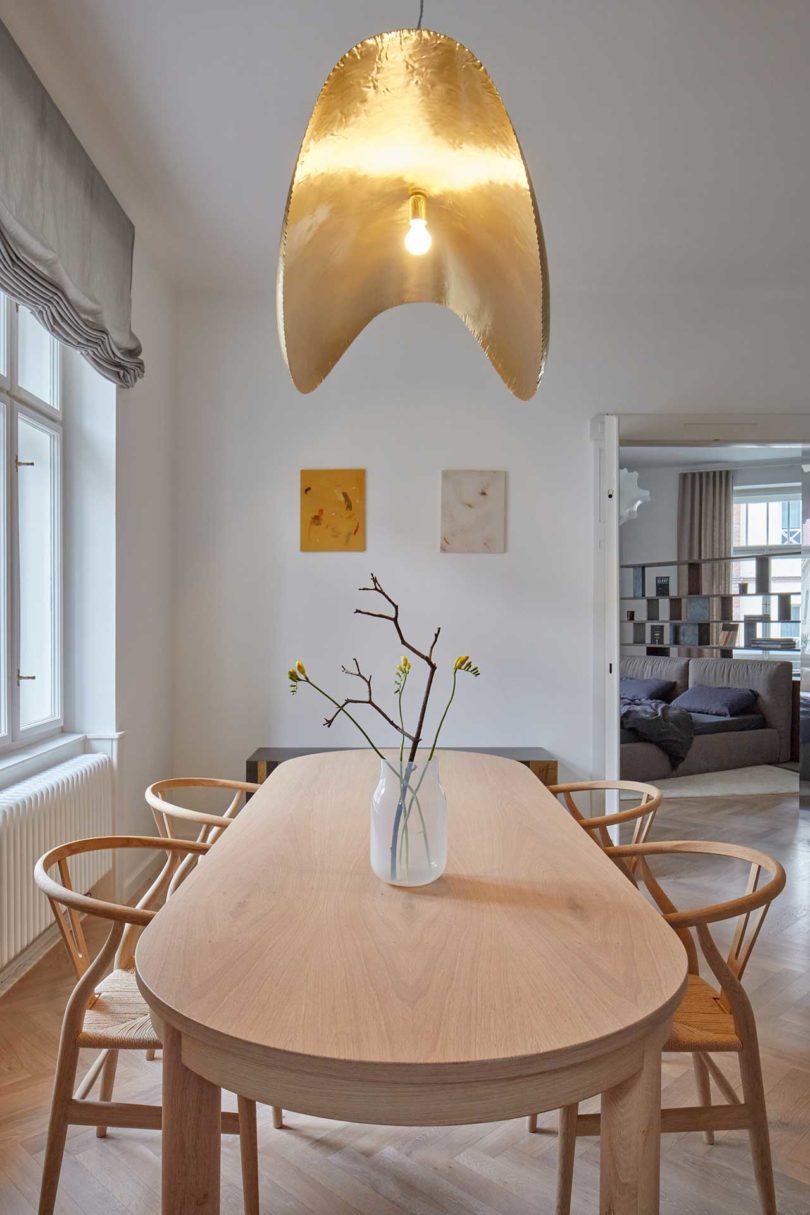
pixel 336 1169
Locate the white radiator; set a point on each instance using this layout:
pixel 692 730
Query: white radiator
pixel 69 802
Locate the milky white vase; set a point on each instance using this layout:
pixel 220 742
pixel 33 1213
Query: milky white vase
pixel 409 822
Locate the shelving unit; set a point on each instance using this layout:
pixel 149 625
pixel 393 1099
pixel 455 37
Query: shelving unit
pixel 704 622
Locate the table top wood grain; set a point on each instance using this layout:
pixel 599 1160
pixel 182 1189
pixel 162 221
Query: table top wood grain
pixel 533 950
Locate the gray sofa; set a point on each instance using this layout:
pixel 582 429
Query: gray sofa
pixel 717 752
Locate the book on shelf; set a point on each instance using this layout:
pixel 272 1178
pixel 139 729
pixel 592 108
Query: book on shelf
pixel 729 636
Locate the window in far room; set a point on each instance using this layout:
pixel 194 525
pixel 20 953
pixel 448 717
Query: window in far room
pixel 767 517
pixel 30 528
pixel 767 522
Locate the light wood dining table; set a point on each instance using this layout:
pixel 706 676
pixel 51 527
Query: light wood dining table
pixel 531 976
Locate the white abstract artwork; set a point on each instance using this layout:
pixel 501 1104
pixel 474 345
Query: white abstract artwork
pixel 473 513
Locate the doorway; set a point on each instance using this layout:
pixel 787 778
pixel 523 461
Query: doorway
pixel 707 537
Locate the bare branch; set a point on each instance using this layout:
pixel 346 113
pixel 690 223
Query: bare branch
pixel 358 674
pixel 369 700
pixel 377 587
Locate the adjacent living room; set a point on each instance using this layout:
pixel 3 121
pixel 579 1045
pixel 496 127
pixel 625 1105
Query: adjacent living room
pixel 711 618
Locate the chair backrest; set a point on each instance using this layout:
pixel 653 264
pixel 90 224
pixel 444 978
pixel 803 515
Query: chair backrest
pixel 68 905
pixel 748 909
pixel 167 813
pixel 642 813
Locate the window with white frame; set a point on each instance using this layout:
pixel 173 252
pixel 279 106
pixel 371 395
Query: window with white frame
pixel 767 517
pixel 767 522
pixel 30 529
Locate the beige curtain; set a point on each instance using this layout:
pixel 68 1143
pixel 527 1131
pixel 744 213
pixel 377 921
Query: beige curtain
pixel 705 530
pixel 65 243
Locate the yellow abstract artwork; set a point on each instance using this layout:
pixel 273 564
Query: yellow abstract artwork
pixel 333 510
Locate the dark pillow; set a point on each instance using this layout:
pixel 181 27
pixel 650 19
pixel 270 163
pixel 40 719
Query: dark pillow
pixel 719 702
pixel 646 689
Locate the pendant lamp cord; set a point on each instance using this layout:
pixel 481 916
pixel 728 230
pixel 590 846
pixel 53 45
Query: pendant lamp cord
pixel 421 14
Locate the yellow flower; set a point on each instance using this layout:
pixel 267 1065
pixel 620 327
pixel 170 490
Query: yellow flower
pixel 293 675
pixel 461 661
pixel 300 668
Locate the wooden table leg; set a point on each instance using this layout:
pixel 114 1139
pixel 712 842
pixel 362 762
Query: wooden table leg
pixel 191 1135
pixel 631 1139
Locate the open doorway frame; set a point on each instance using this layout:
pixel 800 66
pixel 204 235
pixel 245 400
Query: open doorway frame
pixel 610 432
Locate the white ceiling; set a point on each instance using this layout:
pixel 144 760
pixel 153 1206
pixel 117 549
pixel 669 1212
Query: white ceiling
pixel 668 139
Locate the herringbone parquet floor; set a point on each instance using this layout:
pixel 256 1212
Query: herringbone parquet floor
pixel 322 1168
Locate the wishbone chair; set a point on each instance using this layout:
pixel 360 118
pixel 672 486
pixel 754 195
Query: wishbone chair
pixel 709 1020
pixel 109 1013
pixel 598 828
pixel 167 813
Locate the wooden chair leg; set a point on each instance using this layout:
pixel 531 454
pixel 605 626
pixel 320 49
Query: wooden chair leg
pixel 278 1117
pixel 249 1148
pixel 531 1124
pixel 754 1098
pixel 565 1158
pixel 107 1083
pixel 150 1055
pixel 704 1087
pixel 64 1084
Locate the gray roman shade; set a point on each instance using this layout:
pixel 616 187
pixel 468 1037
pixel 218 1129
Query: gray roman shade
pixel 65 243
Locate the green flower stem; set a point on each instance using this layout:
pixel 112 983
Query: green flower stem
pixel 402 683
pixel 403 785
pixel 353 720
pixel 415 798
pixel 444 714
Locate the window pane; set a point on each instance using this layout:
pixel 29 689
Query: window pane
pixel 3 335
pixel 757 523
pixel 36 358
pixel 37 499
pixel 3 583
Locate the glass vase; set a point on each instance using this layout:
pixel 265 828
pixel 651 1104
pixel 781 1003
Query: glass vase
pixel 409 822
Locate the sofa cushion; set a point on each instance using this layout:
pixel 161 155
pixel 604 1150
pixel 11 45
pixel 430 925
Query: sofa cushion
pixel 771 679
pixel 708 723
pixel 719 702
pixel 643 666
pixel 646 689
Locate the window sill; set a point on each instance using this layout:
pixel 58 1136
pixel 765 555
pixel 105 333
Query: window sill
pixel 29 761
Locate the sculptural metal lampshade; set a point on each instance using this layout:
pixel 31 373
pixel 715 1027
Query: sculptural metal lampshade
pixel 411 187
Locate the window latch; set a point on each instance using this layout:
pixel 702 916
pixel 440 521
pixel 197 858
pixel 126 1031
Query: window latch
pixel 20 677
pixel 23 463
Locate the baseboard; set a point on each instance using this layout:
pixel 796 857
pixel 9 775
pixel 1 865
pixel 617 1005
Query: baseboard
pixel 33 953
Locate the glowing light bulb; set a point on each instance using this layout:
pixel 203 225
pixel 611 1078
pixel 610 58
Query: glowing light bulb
pixel 418 239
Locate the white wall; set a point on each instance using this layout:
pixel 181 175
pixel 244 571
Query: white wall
pixel 89 547
pixel 653 534
pixel 144 551
pixel 249 602
pixel 415 395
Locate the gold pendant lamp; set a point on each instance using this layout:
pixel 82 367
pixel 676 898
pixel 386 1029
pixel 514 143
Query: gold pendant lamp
pixel 410 187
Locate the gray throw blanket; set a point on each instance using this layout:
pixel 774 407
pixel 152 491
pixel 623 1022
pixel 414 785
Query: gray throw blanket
pixel 657 722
